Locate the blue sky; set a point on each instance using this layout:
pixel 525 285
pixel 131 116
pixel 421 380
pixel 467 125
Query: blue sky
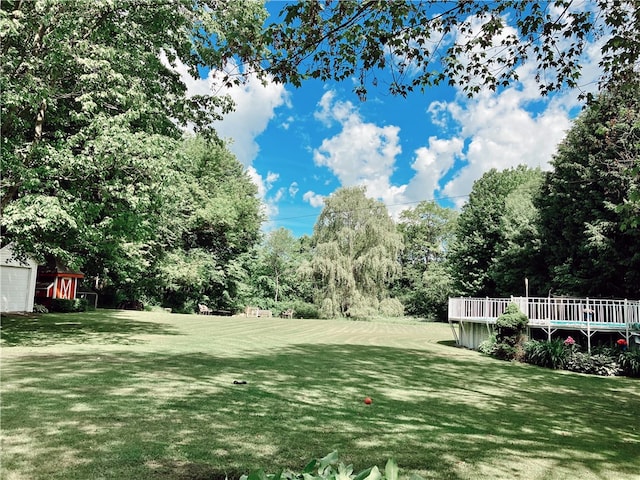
pixel 301 144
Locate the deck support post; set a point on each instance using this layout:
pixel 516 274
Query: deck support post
pixel 627 335
pixel 588 334
pixel 589 316
pixel 486 308
pixel 455 334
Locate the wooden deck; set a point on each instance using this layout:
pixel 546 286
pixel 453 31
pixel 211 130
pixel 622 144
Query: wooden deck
pixel 587 315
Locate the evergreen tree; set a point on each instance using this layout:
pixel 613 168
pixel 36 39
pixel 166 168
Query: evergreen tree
pixel 590 243
pixel 486 232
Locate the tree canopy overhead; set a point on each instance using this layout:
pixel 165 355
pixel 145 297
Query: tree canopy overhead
pixel 415 44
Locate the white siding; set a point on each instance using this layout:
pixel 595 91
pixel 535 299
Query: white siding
pixel 473 334
pixel 17 282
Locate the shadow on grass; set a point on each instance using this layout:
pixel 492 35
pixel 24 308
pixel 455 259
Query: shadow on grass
pixel 102 326
pixel 150 416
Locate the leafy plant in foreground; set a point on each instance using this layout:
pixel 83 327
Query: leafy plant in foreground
pixel 328 468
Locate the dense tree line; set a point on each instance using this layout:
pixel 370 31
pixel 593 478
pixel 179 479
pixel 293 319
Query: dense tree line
pixel 97 170
pixel 570 231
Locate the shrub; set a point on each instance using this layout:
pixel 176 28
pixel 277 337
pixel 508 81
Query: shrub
pixel 511 324
pixel 391 307
pixel 504 351
pixel 548 354
pixel 328 468
pixel 630 363
pixel 64 305
pixel 37 308
pixel 510 328
pixel 363 308
pixel 305 310
pixel 488 345
pixel 597 364
pixel 80 305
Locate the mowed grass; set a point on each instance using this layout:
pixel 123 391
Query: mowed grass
pixel 135 395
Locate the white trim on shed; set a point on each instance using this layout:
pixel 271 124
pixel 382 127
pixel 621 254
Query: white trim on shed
pixel 17 282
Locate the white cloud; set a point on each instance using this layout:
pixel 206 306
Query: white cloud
pixel 314 199
pixel 431 164
pixel 269 205
pixel 493 130
pixel 257 179
pixel 324 114
pixel 271 178
pixel 293 189
pixel 255 105
pixel 287 123
pixel 506 129
pixel 512 127
pixel 362 153
pixel 279 195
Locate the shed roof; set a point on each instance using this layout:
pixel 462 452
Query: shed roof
pixel 56 268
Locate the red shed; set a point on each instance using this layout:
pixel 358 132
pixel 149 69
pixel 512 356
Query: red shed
pixel 57 281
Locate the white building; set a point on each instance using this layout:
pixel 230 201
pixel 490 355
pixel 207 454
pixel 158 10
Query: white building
pixel 17 282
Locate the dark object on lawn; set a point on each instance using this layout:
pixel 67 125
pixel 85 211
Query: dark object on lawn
pixel 239 382
pixel 131 305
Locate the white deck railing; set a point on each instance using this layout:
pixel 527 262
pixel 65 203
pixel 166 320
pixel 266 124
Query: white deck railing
pixel 541 311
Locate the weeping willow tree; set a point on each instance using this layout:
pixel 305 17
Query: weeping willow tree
pixel 356 252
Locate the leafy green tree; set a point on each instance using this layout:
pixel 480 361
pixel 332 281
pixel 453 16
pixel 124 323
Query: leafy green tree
pixel 429 297
pixel 589 247
pixel 304 286
pixel 355 253
pixel 91 113
pixel 279 252
pixel 519 256
pixel 425 284
pixel 485 229
pixel 279 255
pixel 427 230
pixel 210 219
pixel 93 167
pixel 411 44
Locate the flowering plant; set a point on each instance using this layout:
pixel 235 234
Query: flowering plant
pixel 622 342
pixel 569 341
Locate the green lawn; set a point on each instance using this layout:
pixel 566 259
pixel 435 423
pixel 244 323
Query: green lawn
pixel 134 395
